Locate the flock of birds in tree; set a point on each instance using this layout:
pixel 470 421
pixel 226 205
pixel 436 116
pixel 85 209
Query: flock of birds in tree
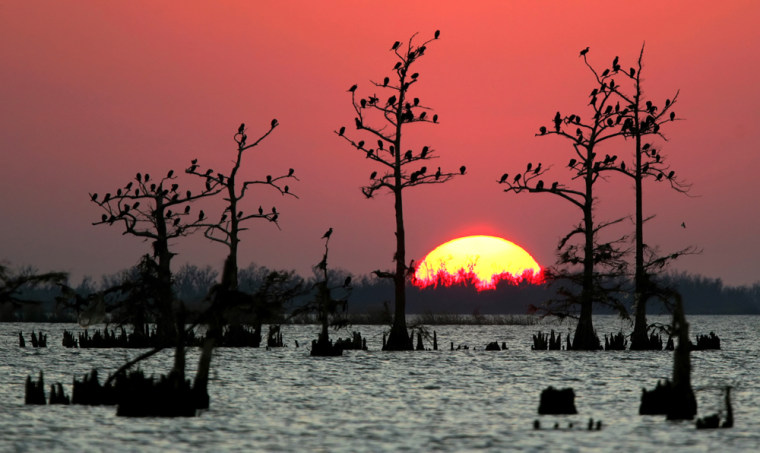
pixel 148 202
pixel 608 120
pixel 396 110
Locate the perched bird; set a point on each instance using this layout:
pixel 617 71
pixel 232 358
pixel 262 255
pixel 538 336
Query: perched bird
pixel 517 177
pixel 274 123
pixel 415 75
pixel 416 102
pixel 395 45
pixel 353 88
pixel 554 185
pixel 435 118
pixel 538 168
pixel 269 178
pixel 683 224
pixel 286 189
pixel 94 197
pixel 529 166
pixel 342 130
pixel 290 172
pixel 572 163
pixel 437 34
pixel 438 174
pixel 462 169
pixel 241 129
pixel 584 52
pixel 385 81
pixel 557 121
pixel 201 215
pixel 373 175
pixel 672 116
pixel 187 209
pixel 261 210
pixel 327 234
pixel 424 152
pixel 408 155
pixel 503 178
pixel 540 185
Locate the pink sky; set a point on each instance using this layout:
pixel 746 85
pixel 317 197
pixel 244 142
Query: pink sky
pixel 93 92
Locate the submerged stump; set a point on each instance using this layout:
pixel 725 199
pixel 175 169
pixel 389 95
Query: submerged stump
pixel 557 401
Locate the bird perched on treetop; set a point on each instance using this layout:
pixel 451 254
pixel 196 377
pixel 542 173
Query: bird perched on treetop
pixel 327 234
pixel 353 88
pixel 583 52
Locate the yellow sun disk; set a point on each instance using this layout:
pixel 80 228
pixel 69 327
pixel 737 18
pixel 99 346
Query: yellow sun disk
pixel 488 258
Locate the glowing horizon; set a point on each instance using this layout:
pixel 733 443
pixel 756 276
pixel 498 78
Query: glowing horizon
pixel 481 260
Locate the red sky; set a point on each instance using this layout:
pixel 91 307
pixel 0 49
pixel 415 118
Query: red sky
pixel 93 92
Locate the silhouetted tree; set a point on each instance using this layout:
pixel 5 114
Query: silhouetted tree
pixel 600 260
pixel 643 118
pixel 385 120
pixel 157 210
pixel 14 285
pixel 325 306
pixel 227 230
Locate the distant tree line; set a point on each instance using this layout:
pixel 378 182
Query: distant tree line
pixel 701 295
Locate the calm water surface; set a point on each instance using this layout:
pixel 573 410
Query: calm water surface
pixel 473 400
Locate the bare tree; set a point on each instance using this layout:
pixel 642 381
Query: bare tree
pixel 641 119
pixel 158 211
pixel 13 286
pixel 227 231
pixel 385 120
pixel 602 261
pixel 325 306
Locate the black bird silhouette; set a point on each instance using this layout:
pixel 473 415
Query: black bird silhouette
pixel 423 170
pixel 342 130
pixel 261 210
pixel 269 178
pixel 286 189
pixel 291 171
pixel 462 169
pixel 94 196
pixel 395 45
pixel 435 118
pixel 503 178
pixel 542 129
pixel 408 155
pixel 416 102
pixel 170 174
pixel 530 165
pixel 187 209
pixel 554 185
pixel 571 163
pixel 138 177
pixel 438 174
pixel 557 121
pixel 103 217
pixel 424 152
pixel 385 81
pixel 353 88
pixel 538 168
pixel 423 115
pixel 348 281
pixel 373 175
pixel 241 129
pixel 397 65
pixel 671 174
pixel 583 52
pixel 415 75
pixel 683 224
pixel 672 116
pixel 540 185
pixel 274 123
pixel 632 72
pixel 437 34
pixel 391 100
pixel 201 215
pixel 517 177
pixel 327 234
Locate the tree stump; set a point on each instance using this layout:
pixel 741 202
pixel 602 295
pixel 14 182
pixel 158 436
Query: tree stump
pixel 557 401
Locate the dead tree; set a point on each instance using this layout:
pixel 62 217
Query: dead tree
pixel 642 119
pixel 384 120
pixel 226 231
pixel 325 306
pixel 158 211
pixel 602 261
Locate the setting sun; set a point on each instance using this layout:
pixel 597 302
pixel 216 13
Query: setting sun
pixel 481 260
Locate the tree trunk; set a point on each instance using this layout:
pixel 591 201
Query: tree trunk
pixel 399 339
pixel 585 338
pixel 639 338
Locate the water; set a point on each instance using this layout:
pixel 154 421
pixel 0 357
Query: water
pixel 473 400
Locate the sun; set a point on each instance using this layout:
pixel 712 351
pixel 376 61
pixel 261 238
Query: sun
pixel 481 260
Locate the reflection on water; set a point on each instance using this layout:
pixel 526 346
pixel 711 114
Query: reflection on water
pixel 285 400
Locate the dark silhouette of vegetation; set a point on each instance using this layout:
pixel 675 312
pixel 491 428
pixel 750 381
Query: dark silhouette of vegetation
pixel 226 231
pixel 600 261
pixel 327 309
pixel 642 118
pixel 157 210
pixel 15 288
pixel 386 120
